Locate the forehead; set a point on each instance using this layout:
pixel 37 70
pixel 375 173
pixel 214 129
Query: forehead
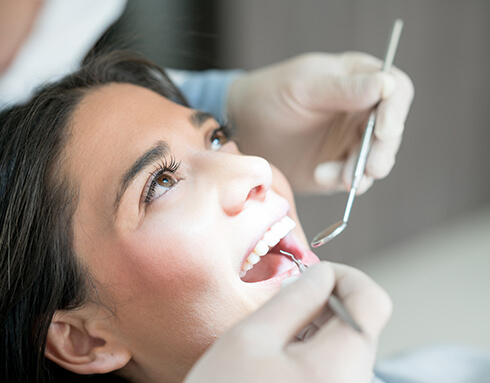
pixel 111 127
pixel 116 122
pixel 114 109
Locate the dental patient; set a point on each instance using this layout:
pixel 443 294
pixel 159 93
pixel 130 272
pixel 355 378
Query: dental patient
pixel 134 231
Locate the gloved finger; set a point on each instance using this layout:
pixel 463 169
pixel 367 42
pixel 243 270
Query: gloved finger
pixel 343 347
pixel 362 84
pixel 361 62
pixel 382 157
pixel 349 93
pixel 393 110
pixel 290 310
pixel 366 301
pixel 364 63
pixel 396 97
pixel 315 325
pixel 365 184
pixel 348 174
pixel 329 175
pixel 369 305
pixel 348 170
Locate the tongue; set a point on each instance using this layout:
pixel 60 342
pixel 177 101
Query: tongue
pixel 269 266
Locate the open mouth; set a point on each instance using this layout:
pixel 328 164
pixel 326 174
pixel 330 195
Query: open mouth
pixel 266 262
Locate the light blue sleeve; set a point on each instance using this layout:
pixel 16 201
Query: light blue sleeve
pixel 441 364
pixel 205 90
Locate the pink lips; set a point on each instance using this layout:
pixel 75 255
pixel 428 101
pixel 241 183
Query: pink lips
pixel 272 270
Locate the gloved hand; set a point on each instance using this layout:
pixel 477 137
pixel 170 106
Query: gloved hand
pixel 307 116
pixel 260 347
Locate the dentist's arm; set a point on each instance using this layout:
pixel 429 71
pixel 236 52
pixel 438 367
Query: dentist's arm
pixel 306 115
pixel 259 348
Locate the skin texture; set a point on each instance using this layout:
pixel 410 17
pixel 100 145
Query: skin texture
pixel 169 270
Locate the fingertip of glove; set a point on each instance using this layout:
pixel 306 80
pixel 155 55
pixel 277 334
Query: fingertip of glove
pixel 387 130
pixel 328 173
pixel 388 85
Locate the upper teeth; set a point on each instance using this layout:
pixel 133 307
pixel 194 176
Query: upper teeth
pixel 270 239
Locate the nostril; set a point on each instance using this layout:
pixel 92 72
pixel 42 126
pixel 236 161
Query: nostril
pixel 258 192
pixel 246 179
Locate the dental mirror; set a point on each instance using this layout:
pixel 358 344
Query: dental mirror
pixel 367 141
pixel 329 233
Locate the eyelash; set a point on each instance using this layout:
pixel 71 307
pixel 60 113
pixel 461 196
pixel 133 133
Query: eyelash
pixel 162 168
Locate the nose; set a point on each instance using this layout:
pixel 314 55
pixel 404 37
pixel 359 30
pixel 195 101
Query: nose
pixel 245 179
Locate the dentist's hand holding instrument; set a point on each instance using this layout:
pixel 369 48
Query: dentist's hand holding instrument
pixel 333 303
pixel 261 348
pixel 367 142
pixel 307 115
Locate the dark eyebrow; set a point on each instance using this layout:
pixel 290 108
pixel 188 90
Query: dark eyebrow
pixel 198 118
pixel 150 156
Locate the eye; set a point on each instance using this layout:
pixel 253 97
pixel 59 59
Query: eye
pixel 166 181
pixel 160 185
pixel 161 181
pixel 220 137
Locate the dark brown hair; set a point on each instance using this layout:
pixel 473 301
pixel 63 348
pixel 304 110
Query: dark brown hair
pixel 39 270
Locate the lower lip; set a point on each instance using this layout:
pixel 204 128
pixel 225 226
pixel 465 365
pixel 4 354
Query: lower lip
pixel 308 257
pixel 277 280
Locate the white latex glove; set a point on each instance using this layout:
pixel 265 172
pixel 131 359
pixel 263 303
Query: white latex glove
pixel 307 116
pixel 259 348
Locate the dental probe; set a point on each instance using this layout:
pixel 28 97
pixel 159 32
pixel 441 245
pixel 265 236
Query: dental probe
pixel 333 302
pixel 367 141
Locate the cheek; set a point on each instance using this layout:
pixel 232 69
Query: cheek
pixel 177 274
pixel 159 261
pixel 162 286
pixel 281 186
pixel 174 254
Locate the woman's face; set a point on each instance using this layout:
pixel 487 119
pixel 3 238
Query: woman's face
pixel 169 211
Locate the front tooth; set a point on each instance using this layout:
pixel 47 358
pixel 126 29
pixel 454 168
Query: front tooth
pixel 271 239
pixel 283 227
pixel 288 222
pixel 253 259
pixel 261 248
pixel 280 229
pixel 247 266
